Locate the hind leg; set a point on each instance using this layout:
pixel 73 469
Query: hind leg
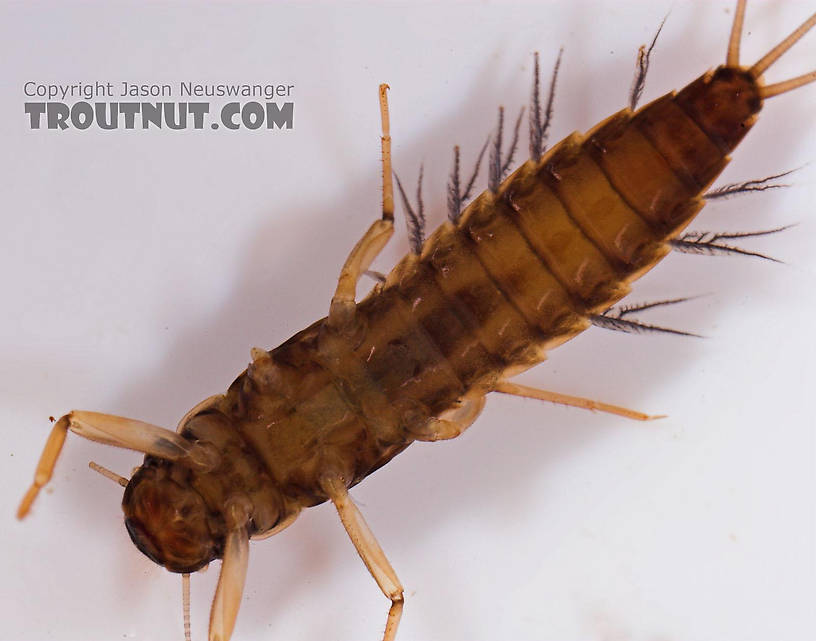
pixel 514 389
pixel 453 422
pixel 371 244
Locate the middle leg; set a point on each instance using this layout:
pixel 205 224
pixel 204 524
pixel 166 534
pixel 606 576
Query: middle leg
pixel 369 550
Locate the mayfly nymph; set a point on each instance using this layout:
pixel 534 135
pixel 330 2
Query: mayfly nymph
pixel 540 256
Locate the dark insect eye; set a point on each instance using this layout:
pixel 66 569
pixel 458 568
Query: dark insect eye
pixel 142 541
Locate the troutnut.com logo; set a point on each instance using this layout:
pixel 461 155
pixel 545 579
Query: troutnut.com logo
pixel 78 106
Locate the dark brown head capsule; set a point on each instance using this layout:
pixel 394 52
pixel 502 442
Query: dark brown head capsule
pixel 169 521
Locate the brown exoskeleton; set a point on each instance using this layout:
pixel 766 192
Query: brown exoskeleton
pixel 532 262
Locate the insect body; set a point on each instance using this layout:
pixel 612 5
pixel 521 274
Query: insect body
pixel 528 265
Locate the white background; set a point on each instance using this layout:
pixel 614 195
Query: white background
pixel 138 268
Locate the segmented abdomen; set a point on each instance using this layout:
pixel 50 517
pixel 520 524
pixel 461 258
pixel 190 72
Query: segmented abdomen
pixel 521 271
pixel 561 239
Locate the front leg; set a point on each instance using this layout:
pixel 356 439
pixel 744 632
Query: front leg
pixel 120 432
pixel 341 312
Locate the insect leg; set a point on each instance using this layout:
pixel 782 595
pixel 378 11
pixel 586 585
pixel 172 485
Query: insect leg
pixel 506 387
pixel 118 431
pixel 365 251
pixel 231 580
pixel 369 550
pixel 453 422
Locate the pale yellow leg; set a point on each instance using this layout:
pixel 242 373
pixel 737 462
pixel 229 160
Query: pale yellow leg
pixel 341 311
pixel 369 550
pixel 45 467
pixel 453 422
pixel 506 387
pixel 120 432
pixel 234 565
